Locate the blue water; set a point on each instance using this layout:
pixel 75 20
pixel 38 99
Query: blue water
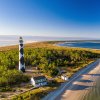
pixel 92 45
pixel 6 40
pixel 13 40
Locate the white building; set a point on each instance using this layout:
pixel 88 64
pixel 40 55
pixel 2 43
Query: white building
pixel 38 81
pixel 64 77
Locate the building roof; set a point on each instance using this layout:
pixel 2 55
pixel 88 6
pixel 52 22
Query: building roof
pixel 64 75
pixel 39 77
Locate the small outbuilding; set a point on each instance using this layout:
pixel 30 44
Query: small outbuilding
pixel 64 77
pixel 39 81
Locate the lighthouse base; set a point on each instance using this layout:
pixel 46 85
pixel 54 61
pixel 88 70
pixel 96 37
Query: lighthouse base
pixel 22 69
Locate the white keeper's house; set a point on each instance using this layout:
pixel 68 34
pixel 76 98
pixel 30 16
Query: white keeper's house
pixel 39 81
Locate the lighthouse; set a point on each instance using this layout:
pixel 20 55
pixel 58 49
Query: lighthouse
pixel 21 55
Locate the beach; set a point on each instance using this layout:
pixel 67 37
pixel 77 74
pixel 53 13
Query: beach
pixel 83 86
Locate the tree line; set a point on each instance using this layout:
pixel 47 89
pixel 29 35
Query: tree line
pixel 46 59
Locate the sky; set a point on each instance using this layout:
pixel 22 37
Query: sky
pixel 58 18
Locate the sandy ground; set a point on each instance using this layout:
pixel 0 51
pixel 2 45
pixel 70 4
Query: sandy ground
pixel 79 86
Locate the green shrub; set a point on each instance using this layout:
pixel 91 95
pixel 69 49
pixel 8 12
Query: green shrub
pixel 11 77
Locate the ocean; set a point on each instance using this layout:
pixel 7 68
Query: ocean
pixel 8 40
pixel 84 44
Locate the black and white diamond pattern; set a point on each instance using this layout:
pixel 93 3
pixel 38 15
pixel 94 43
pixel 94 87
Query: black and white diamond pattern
pixel 21 56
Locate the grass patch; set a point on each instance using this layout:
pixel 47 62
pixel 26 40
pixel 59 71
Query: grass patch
pixel 35 94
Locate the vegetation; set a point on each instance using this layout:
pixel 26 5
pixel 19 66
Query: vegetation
pixel 36 94
pixel 49 60
pixel 47 57
pixel 10 77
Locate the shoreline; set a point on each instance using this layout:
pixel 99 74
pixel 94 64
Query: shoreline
pixel 18 44
pixel 54 44
pixel 73 47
